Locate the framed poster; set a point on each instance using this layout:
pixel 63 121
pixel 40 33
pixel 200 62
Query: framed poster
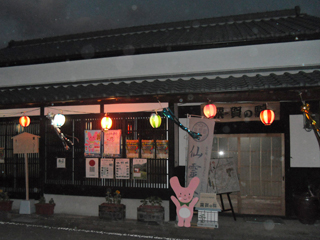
pixel 92 143
pixel 122 168
pixel 61 163
pixel 112 143
pixel 106 168
pixel 132 147
pixel 162 148
pixel 139 166
pixel 92 166
pixel 147 149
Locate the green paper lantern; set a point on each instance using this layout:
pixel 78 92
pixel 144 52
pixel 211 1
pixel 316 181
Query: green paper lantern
pixel 155 120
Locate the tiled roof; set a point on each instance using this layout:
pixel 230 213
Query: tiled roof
pixel 266 27
pixel 154 88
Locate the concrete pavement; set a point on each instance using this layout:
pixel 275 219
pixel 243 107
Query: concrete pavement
pixel 246 227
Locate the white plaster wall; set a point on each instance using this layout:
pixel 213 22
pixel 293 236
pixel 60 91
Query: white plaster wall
pixel 89 206
pixel 300 53
pixel 304 147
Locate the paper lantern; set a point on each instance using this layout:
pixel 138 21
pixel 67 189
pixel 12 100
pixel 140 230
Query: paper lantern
pixel 59 120
pixel 210 110
pixel 106 123
pixel 24 121
pixel 267 117
pixel 155 120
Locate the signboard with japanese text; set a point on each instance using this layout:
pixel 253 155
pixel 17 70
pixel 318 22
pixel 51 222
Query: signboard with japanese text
pixel 61 162
pixel 239 112
pixel 139 166
pixel 123 168
pixel 132 147
pixel 223 176
pixel 199 152
pixel 147 148
pixel 106 168
pixel 92 166
pixel 92 145
pixel 162 149
pixel 111 143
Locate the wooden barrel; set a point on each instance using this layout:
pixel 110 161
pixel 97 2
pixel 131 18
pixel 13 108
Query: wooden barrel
pixel 306 208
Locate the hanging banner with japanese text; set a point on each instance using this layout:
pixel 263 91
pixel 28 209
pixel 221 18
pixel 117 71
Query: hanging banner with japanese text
pixel 199 152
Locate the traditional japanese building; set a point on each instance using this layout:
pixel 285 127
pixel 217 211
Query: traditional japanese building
pixel 243 64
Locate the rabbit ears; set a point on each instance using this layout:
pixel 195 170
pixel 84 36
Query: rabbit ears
pixel 90 136
pixel 175 184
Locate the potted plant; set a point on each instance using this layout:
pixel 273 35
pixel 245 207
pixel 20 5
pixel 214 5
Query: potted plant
pixel 151 210
pixel 5 202
pixel 43 208
pixel 112 209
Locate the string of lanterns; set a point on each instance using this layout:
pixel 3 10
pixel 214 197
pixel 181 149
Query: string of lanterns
pixel 267 117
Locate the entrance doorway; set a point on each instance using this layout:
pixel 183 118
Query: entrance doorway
pixel 260 161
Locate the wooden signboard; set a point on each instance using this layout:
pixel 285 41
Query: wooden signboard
pixel 25 143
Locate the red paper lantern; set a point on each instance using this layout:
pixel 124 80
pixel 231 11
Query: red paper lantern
pixel 267 117
pixel 24 121
pixel 106 123
pixel 210 110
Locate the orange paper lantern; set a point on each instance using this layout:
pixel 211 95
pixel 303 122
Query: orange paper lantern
pixel 210 110
pixel 24 121
pixel 267 117
pixel 106 123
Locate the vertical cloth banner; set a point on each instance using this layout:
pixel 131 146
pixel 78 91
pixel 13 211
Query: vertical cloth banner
pixel 199 152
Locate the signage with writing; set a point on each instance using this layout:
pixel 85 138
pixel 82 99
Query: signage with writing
pixel 238 112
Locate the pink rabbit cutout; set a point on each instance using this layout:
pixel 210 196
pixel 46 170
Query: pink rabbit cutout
pixel 92 141
pixel 184 201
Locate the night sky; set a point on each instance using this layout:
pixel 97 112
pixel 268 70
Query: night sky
pixel 30 19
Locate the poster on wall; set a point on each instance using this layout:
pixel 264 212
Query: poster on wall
pixel 122 168
pixel 199 152
pixel 223 176
pixel 61 163
pixel 162 149
pixel 112 143
pixel 92 143
pixel 132 147
pixel 1 155
pixel 139 166
pixel 92 165
pixel 147 149
pixel 106 168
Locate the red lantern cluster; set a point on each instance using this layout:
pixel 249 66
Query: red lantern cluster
pixel 210 110
pixel 267 117
pixel 24 121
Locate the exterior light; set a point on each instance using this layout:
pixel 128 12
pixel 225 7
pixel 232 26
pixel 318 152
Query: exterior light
pixel 24 121
pixel 59 120
pixel 210 110
pixel 267 117
pixel 106 123
pixel 155 120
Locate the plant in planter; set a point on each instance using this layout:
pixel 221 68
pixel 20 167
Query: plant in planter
pixel 151 210
pixel 43 208
pixel 5 202
pixel 112 209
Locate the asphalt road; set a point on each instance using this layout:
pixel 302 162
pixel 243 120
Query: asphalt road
pixel 33 232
